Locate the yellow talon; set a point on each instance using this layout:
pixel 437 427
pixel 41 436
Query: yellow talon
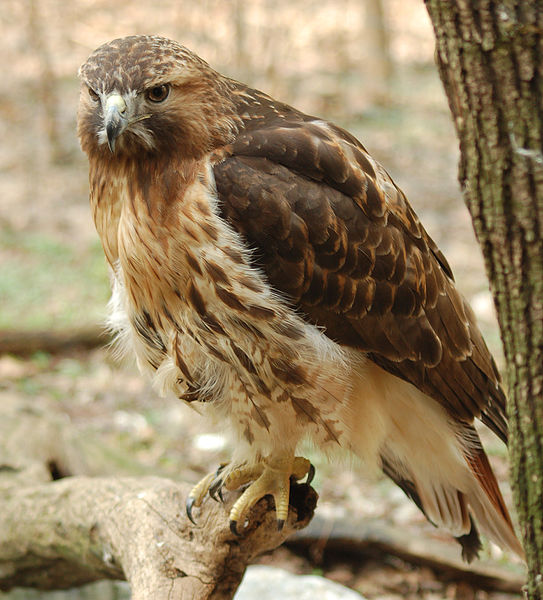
pixel 271 476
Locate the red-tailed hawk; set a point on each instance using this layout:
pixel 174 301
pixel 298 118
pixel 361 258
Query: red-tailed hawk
pixel 266 267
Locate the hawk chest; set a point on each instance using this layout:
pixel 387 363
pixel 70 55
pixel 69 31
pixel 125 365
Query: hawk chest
pixel 208 326
pixel 195 311
pixel 172 277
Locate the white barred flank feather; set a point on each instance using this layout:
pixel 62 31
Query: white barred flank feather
pixel 117 322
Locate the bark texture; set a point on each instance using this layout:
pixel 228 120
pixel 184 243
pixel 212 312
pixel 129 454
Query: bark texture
pixel 490 57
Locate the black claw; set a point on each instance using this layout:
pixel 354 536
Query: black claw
pixel 215 489
pixel 310 474
pixel 280 524
pixel 234 528
pixel 188 507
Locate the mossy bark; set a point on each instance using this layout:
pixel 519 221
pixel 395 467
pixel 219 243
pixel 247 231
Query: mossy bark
pixel 490 58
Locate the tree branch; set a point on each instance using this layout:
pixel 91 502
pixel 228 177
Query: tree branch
pixel 24 343
pixel 77 530
pixel 64 533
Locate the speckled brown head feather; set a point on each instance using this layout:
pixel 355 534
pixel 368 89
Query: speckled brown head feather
pixel 199 111
pixel 266 266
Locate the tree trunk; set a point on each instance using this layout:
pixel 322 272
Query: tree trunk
pixel 47 82
pixel 379 65
pixel 490 57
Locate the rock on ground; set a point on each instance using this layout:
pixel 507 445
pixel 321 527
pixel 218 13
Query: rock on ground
pixel 270 583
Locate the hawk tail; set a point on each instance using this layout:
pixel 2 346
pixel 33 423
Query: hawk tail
pixel 486 501
pixel 478 505
pixel 438 461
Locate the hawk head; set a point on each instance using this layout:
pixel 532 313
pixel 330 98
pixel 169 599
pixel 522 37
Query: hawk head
pixel 148 93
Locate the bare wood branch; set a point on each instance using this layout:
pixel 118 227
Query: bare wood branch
pixel 65 533
pixel 78 530
pixel 362 538
pixel 24 343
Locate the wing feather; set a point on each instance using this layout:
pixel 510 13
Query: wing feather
pixel 335 235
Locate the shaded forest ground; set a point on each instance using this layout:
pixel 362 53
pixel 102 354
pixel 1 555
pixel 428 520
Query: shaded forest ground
pixel 52 274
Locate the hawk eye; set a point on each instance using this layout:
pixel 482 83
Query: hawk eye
pixel 94 96
pixel 158 93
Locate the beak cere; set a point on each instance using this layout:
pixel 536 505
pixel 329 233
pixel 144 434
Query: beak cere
pixel 114 118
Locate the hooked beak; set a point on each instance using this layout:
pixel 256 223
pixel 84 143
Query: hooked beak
pixel 115 120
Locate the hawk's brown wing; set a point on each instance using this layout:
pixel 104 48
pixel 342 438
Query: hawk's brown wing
pixel 334 234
